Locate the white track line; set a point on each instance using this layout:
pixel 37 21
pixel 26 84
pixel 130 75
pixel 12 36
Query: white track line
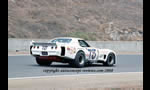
pixel 36 77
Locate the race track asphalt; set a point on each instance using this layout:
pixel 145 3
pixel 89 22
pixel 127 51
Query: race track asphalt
pixel 25 66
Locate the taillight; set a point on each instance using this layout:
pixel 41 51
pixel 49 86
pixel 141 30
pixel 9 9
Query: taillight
pixel 56 47
pixel 37 47
pixel 34 46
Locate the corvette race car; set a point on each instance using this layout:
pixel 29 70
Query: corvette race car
pixel 75 51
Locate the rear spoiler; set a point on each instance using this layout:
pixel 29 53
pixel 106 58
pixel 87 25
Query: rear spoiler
pixel 42 44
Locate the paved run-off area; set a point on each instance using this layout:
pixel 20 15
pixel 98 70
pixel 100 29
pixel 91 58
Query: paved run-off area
pixel 127 73
pixel 25 66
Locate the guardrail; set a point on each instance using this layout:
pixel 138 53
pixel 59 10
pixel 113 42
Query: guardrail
pixel 119 46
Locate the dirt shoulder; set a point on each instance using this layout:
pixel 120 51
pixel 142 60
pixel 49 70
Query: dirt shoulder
pixel 84 82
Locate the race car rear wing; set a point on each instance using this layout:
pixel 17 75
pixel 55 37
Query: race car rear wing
pixel 42 44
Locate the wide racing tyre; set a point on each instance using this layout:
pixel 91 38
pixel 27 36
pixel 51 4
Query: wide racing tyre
pixel 110 60
pixel 79 60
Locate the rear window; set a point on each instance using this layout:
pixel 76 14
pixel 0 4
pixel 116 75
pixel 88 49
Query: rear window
pixel 61 40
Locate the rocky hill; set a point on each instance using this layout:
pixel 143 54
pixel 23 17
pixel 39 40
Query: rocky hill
pixel 88 19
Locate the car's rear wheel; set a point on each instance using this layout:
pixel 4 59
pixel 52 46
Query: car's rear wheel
pixel 42 62
pixel 110 60
pixel 79 60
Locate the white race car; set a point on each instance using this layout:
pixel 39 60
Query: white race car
pixel 74 51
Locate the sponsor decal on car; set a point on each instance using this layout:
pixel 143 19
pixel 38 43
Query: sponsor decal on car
pixel 71 50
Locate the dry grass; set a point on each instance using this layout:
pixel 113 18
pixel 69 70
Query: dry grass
pixel 109 19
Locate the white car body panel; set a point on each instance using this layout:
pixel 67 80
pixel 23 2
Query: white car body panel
pixel 71 49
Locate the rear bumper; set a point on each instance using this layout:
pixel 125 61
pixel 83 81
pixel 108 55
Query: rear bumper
pixel 54 58
pixel 49 53
pixel 50 58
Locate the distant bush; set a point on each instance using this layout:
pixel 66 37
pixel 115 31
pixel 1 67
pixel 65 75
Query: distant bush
pixel 84 35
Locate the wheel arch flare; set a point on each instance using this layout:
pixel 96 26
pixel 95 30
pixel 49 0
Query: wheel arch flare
pixel 103 54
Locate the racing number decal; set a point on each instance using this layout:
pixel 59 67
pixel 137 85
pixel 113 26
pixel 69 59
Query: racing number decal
pixel 92 53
